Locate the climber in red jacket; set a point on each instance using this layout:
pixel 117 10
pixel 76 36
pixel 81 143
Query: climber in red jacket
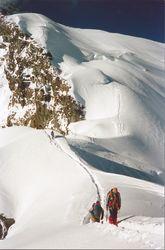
pixel 113 204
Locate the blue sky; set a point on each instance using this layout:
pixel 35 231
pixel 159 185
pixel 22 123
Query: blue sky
pixel 142 18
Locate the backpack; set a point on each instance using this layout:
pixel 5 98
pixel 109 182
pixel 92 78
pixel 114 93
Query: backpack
pixel 97 210
pixel 113 200
pixel 118 200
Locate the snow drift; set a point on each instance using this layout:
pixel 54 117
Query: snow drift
pixel 118 78
pixel 47 185
pixel 45 188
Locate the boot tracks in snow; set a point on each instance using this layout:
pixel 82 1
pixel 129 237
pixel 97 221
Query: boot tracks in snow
pixel 76 158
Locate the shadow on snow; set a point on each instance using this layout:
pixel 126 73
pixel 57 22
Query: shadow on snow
pixel 109 166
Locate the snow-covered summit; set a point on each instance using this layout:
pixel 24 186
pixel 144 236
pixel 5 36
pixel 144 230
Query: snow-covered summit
pixel 48 183
pixel 120 81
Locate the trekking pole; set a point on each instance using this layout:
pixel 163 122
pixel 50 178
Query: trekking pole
pixel 106 216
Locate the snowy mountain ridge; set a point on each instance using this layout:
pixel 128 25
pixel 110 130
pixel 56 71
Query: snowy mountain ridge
pixel 120 81
pixel 50 187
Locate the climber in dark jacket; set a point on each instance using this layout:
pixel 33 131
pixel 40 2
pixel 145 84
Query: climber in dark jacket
pixel 113 204
pixel 97 212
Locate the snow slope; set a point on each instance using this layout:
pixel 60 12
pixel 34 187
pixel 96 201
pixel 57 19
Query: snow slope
pixel 48 185
pixel 119 79
pixel 45 188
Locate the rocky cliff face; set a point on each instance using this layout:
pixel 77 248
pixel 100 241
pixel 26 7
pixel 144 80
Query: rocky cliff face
pixel 5 224
pixel 39 98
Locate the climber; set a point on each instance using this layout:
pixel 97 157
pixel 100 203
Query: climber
pixel 52 134
pixel 96 212
pixel 113 204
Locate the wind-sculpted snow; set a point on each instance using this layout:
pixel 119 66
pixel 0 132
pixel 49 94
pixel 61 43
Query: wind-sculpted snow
pixel 48 184
pixel 119 79
pixel 44 187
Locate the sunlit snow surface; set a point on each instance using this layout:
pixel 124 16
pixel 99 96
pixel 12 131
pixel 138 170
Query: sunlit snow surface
pixel 119 79
pixel 44 186
pixel 48 186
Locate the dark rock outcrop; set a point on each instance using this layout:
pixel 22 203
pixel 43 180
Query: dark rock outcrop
pixel 40 98
pixel 5 224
